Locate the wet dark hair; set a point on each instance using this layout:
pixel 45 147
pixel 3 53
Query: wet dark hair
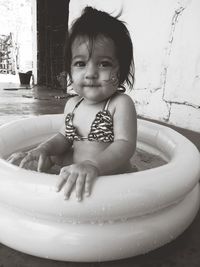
pixel 93 23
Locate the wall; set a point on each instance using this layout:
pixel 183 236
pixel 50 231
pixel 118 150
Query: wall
pixel 167 56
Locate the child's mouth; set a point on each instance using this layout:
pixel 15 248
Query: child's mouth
pixel 92 85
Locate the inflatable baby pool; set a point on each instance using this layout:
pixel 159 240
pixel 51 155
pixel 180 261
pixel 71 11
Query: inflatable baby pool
pixel 126 215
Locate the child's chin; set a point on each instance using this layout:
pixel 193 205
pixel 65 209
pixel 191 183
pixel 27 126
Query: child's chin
pixel 93 96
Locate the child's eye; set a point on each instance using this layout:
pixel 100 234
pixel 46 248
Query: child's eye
pixel 105 64
pixel 79 64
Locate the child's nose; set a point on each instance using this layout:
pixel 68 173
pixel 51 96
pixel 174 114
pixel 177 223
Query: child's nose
pixel 91 72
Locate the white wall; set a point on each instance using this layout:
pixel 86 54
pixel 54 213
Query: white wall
pixel 166 42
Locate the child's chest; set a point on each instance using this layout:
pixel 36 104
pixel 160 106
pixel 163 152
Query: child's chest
pixel 84 118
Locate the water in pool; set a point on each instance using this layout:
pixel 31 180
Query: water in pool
pixel 143 160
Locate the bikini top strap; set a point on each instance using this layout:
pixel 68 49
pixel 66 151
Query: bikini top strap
pixel 107 104
pixel 77 104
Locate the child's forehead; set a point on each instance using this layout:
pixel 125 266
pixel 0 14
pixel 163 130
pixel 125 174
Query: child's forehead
pixel 99 42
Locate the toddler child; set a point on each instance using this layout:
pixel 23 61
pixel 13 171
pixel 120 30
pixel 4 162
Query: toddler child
pixel 98 136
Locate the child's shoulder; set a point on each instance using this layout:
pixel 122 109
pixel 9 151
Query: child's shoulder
pixel 122 99
pixel 71 102
pixel 122 104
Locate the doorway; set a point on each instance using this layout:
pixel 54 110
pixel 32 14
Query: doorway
pixel 16 39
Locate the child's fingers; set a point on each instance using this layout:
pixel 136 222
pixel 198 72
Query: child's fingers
pixel 80 182
pixel 60 182
pixel 25 160
pixel 44 163
pixel 88 185
pixel 41 162
pixel 71 180
pixel 16 156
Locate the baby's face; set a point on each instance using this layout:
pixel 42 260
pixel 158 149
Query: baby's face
pixel 94 68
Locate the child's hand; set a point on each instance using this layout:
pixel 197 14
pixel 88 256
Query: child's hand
pixel 24 158
pixel 80 175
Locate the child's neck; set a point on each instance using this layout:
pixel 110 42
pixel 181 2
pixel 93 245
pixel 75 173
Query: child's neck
pixel 91 102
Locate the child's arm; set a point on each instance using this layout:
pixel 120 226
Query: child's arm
pixel 56 145
pixel 125 131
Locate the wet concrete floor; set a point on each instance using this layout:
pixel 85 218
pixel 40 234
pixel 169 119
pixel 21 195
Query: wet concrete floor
pixel 183 252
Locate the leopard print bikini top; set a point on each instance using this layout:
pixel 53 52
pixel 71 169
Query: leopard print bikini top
pixel 101 128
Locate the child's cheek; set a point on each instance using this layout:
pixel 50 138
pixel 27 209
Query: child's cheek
pixel 77 76
pixel 111 77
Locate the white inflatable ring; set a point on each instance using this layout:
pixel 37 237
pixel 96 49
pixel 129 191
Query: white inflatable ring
pixel 126 215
